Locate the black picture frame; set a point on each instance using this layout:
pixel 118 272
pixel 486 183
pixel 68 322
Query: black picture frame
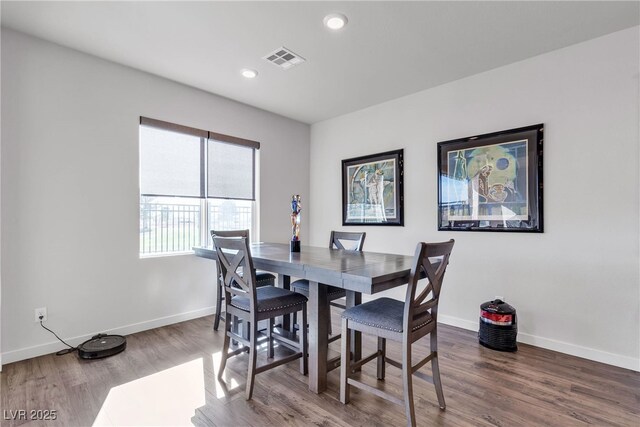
pixel 372 189
pixel 492 182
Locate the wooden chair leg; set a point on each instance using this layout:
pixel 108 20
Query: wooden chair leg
pixel 253 350
pixel 236 329
pixel 435 369
pixel 345 363
pixel 246 331
pixel 304 345
pixel 329 327
pixel 270 339
pixel 225 346
pixel 407 383
pixel 382 348
pixel 293 317
pixel 218 313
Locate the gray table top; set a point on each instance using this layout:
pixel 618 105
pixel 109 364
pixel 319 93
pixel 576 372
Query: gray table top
pixel 366 272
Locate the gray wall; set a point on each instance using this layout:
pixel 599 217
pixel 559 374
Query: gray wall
pixel 70 201
pixel 576 287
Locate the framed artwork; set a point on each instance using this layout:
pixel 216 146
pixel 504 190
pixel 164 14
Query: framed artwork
pixel 372 192
pixel 491 182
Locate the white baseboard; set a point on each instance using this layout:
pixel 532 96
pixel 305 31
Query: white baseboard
pixel 562 347
pixel 458 322
pixel 52 347
pixel 559 346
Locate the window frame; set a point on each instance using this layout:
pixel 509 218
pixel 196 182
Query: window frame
pixel 205 137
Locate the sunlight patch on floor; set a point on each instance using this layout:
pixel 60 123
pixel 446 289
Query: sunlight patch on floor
pixel 169 397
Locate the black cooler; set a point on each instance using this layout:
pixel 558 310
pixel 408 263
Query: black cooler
pixel 498 326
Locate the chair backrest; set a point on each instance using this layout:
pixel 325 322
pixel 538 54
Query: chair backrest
pixel 430 260
pixel 236 268
pixel 231 233
pixel 337 236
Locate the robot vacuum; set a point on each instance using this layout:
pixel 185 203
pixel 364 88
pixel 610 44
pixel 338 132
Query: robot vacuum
pixel 102 345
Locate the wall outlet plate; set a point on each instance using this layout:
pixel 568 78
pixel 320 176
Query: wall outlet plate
pixel 41 311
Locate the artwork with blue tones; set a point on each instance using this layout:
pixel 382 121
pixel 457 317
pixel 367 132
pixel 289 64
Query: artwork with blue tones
pixel 492 182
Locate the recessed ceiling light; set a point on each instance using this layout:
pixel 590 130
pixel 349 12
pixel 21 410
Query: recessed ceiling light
pixel 249 73
pixel 335 21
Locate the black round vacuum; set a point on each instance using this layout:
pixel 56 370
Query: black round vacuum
pixel 102 345
pixel 498 326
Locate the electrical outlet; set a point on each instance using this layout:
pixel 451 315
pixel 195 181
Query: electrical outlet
pixel 41 312
pixel 501 298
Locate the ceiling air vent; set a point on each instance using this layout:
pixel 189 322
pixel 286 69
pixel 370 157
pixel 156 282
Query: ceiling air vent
pixel 284 58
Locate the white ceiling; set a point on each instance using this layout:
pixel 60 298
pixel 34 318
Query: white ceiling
pixel 388 49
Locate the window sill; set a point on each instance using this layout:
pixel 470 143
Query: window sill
pixel 165 254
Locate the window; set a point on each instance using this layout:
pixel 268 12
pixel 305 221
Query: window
pixel 192 181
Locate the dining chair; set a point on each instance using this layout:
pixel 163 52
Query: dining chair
pixel 263 278
pixel 251 304
pixel 337 240
pixel 404 322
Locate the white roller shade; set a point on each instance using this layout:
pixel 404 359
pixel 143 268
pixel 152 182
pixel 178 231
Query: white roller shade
pixel 170 163
pixel 231 170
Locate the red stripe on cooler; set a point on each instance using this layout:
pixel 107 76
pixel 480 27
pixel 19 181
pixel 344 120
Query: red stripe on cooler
pixel 494 317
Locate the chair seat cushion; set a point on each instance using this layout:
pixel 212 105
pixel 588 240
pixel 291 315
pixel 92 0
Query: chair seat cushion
pixel 270 298
pixel 302 286
pixel 382 313
pixel 265 279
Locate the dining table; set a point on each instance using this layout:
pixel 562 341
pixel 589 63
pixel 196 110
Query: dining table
pixel 356 272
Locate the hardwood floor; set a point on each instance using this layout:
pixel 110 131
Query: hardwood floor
pixel 167 377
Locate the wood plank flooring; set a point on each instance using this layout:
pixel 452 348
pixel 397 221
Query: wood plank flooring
pixel 167 377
